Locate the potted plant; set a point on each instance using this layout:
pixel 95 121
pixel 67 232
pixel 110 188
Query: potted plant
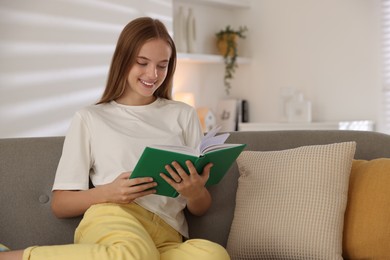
pixel 227 46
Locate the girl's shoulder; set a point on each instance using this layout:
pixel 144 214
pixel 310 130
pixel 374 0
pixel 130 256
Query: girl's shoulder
pixel 92 110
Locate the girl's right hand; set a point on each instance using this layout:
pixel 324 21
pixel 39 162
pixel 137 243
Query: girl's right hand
pixel 124 190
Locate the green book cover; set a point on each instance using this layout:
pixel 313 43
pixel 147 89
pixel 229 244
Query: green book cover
pixel 153 160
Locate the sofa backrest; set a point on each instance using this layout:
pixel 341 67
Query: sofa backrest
pixel 215 225
pixel 27 169
pixel 28 165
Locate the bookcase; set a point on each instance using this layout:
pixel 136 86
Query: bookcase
pixel 211 16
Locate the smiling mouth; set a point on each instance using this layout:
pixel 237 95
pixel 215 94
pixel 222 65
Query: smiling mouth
pixel 149 84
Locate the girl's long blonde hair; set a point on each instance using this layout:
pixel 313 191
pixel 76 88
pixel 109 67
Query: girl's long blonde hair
pixel 130 41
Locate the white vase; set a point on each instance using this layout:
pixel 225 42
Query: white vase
pixel 180 31
pixel 298 109
pixel 191 31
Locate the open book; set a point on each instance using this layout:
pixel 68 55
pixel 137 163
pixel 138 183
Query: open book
pixel 212 148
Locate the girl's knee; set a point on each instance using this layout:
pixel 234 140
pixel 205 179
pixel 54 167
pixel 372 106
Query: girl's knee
pixel 134 252
pixel 208 250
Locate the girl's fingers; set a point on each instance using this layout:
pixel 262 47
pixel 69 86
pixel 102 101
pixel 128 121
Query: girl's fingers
pixel 169 180
pixel 140 180
pixel 177 174
pixel 191 168
pixel 206 171
pixel 142 187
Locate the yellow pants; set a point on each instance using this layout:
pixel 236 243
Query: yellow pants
pixel 112 231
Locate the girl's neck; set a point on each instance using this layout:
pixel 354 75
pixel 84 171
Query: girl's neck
pixel 135 101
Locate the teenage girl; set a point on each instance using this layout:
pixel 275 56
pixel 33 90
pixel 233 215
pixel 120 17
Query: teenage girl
pixel 123 219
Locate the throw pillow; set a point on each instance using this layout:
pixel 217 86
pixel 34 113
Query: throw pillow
pixel 367 217
pixel 290 204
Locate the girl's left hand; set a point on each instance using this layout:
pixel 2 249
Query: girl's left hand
pixel 188 185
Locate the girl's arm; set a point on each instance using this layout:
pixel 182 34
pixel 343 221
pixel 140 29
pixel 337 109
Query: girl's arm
pixel 198 205
pixel 69 203
pixel 191 186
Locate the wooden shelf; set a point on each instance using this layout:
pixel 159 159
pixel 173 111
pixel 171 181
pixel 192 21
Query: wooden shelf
pixel 361 125
pixel 207 58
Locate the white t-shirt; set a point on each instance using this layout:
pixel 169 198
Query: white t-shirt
pixel 107 139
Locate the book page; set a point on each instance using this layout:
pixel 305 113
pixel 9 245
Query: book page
pixel 212 141
pixel 218 147
pixel 178 149
pixel 211 133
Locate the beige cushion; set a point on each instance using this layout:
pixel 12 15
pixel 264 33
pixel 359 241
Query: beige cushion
pixel 367 217
pixel 290 204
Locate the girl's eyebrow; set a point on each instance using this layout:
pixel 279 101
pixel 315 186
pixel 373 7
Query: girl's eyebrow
pixel 145 58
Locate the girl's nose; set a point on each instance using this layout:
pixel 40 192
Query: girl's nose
pixel 152 72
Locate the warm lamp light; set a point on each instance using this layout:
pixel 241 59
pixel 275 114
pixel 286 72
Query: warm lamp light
pixel 186 97
pixel 207 118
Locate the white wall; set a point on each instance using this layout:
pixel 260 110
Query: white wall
pixel 329 50
pixel 54 57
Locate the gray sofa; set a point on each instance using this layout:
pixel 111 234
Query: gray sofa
pixel 28 165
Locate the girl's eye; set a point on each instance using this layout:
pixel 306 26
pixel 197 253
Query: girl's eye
pixel 160 66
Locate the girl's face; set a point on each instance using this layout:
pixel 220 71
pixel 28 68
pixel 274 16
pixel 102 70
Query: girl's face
pixel 148 73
